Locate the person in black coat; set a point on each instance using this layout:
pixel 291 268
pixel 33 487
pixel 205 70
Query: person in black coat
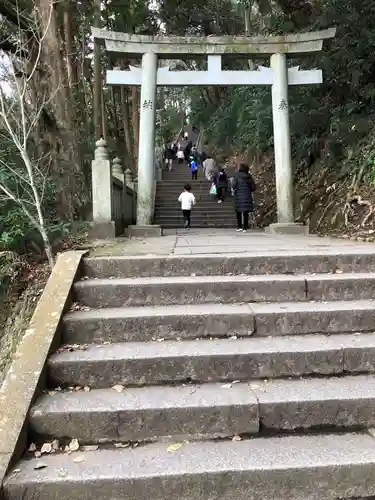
pixel 220 179
pixel 243 186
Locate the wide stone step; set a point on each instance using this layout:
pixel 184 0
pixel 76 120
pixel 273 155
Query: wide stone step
pixel 217 210
pixel 208 410
pixel 146 323
pixel 191 289
pixel 217 320
pixel 321 467
pixel 348 259
pixel 147 363
pixel 202 206
pixel 124 292
pixel 201 223
pixel 205 220
pixel 141 414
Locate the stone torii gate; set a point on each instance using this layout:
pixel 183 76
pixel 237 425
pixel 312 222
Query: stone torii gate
pixel 152 48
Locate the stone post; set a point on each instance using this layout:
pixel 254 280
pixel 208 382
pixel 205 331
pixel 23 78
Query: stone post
pixel 147 140
pixel 101 184
pixel 281 132
pixel 117 170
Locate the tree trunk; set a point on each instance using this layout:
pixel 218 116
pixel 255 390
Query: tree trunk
pixel 60 135
pixel 69 44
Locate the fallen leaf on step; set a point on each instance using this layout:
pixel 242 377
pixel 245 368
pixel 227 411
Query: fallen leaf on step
pixel 37 454
pixel 226 386
pixel 253 387
pixel 121 445
pixel 118 388
pixel 233 337
pixel 91 447
pixel 15 472
pixel 339 271
pixel 160 340
pixel 79 459
pixel 32 447
pixel 63 473
pixel 87 388
pixel 40 465
pixel 51 393
pixel 237 438
pixel 74 445
pixel 46 448
pixel 174 447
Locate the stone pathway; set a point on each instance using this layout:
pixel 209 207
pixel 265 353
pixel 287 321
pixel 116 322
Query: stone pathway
pixel 218 241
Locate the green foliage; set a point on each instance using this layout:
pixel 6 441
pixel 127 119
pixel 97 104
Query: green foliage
pixel 334 119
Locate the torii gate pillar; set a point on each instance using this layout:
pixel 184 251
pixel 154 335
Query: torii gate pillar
pixel 281 134
pixel 146 152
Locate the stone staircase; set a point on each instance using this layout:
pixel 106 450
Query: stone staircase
pixel 210 377
pixel 207 213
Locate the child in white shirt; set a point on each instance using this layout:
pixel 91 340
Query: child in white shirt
pixel 180 156
pixel 187 200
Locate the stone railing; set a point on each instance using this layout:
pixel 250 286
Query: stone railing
pixel 114 195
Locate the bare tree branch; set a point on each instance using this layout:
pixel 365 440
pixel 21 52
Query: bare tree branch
pixel 18 120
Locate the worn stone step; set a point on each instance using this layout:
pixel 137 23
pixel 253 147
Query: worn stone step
pixel 205 220
pixel 145 363
pixel 199 212
pixel 145 323
pixel 208 410
pixel 217 320
pixel 341 402
pixel 293 318
pixel 321 467
pixel 147 413
pixel 325 260
pixel 203 223
pixel 124 292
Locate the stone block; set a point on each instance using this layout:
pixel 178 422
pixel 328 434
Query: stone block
pixel 148 413
pixel 303 404
pixel 198 361
pixel 350 286
pixel 291 318
pixel 189 290
pixel 288 228
pixel 355 259
pixel 324 467
pixel 145 323
pixel 144 231
pixel 102 230
pixel 359 353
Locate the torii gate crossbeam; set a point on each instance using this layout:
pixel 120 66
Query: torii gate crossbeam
pixel 278 76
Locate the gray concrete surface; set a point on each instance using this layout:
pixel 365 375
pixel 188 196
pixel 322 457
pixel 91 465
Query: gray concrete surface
pixel 324 467
pixel 147 413
pixel 218 241
pixel 145 363
pixel 169 322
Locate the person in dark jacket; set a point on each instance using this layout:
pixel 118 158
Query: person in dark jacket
pixel 220 179
pixel 168 155
pixel 243 186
